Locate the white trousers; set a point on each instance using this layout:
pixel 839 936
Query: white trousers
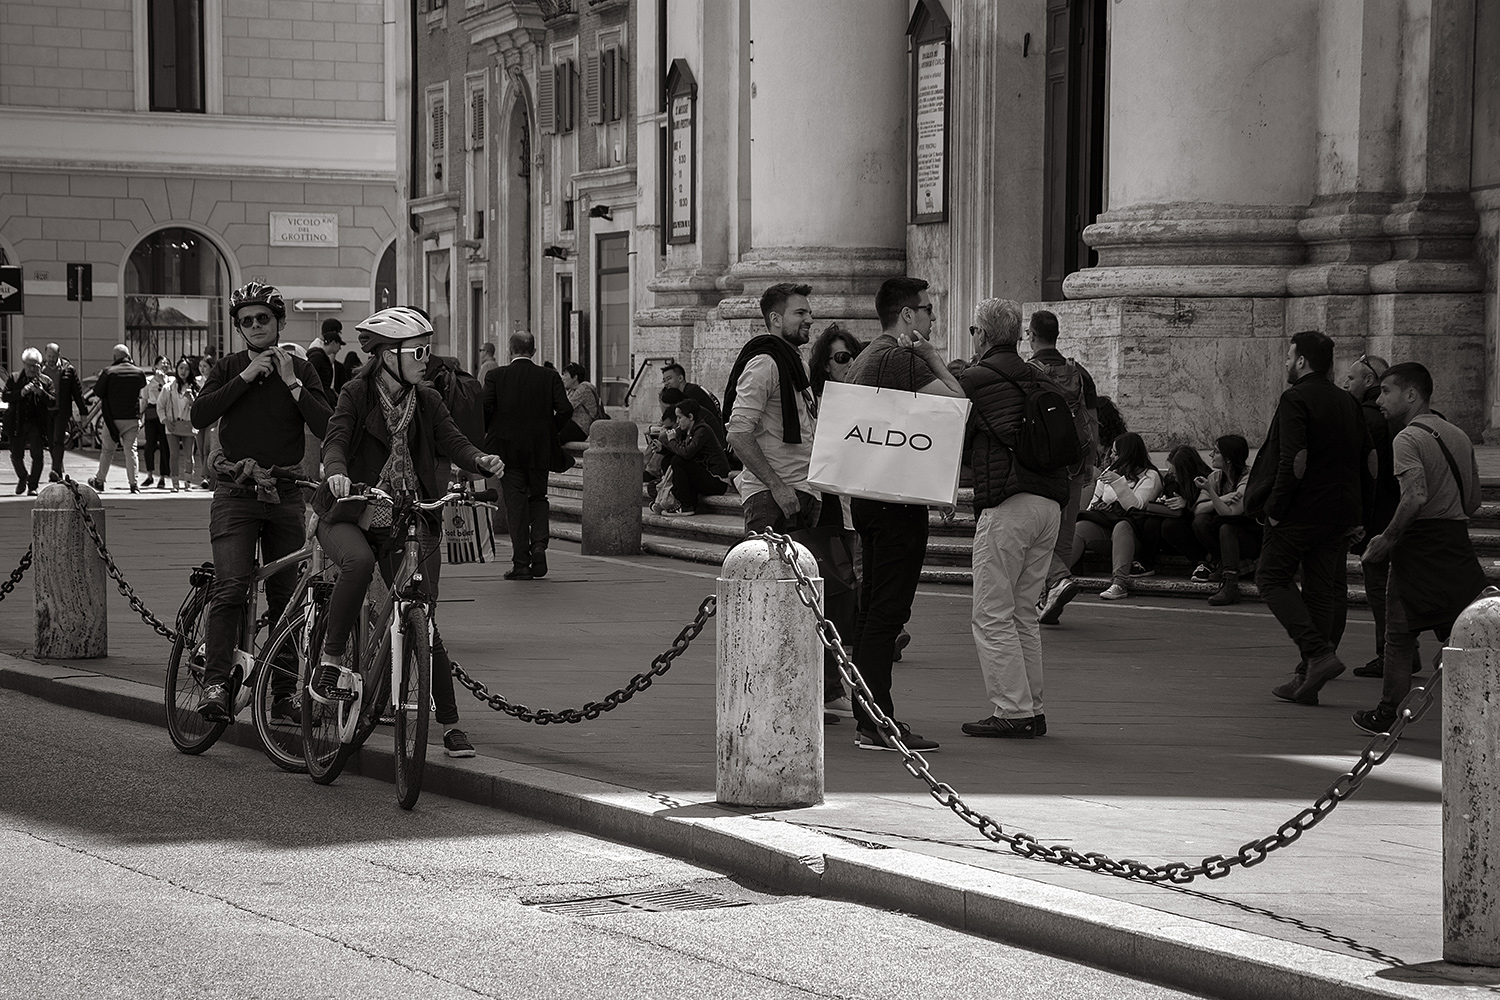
pixel 1012 551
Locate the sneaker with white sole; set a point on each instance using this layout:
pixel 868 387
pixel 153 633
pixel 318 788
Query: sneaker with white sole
pixel 456 744
pixel 1203 573
pixel 1114 593
pixel 1056 600
pixel 869 739
pixel 839 705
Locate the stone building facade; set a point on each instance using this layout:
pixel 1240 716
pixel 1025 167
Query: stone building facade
pixel 182 147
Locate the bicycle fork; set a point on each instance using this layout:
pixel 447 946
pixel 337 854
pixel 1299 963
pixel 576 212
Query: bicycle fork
pixel 398 654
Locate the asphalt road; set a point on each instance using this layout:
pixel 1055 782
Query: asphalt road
pixel 133 871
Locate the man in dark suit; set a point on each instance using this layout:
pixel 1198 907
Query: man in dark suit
pixel 525 405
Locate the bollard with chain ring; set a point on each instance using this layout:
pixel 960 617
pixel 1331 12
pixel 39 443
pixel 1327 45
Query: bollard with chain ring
pixel 592 710
pixel 6 586
pixel 114 571
pixel 1250 854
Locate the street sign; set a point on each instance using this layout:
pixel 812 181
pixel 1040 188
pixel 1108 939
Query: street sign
pixel 12 291
pixel 80 282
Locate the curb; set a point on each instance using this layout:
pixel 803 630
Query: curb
pixel 1127 938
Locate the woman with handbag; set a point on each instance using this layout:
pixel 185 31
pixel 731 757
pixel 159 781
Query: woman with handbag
pixel 1127 484
pixel 386 431
pixel 1168 520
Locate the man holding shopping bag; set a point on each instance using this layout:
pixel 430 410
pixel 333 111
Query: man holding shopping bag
pixel 893 535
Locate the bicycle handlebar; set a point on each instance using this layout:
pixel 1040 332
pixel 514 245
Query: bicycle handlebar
pixel 477 498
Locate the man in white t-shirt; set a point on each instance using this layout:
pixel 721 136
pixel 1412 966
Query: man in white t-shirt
pixel 1434 573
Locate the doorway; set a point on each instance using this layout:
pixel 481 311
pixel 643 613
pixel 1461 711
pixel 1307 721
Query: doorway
pixel 1073 137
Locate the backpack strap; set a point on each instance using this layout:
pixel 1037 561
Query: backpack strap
pixel 989 426
pixel 1452 465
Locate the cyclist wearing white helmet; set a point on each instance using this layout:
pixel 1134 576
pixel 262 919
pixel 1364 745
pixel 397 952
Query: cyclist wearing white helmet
pixel 386 431
pixel 262 398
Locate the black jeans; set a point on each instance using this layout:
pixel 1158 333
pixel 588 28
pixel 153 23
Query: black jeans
pixel 526 512
pixel 156 444
pixel 57 436
pixel 353 551
pixel 236 521
pixel 1400 652
pixel 27 436
pixel 1314 616
pixel 1228 538
pixel 894 541
pixel 691 480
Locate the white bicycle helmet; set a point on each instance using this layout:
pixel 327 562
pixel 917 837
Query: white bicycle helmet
pixel 392 326
pixel 257 293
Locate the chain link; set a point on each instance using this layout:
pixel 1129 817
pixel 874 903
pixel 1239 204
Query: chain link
pixel 1217 866
pixel 614 699
pixel 6 586
pixel 114 571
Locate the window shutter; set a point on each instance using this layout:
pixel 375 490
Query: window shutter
pixel 595 80
pixel 567 95
pixel 439 127
pixel 546 102
pixel 476 124
pixel 619 104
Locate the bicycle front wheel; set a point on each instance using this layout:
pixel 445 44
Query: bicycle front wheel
pixel 412 706
pixel 190 732
pixel 280 671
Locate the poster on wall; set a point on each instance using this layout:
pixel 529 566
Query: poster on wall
pixel 682 193
pixel 929 113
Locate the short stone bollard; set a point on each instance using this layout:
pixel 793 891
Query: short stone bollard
pixel 770 682
pixel 1471 810
pixel 68 576
pixel 612 490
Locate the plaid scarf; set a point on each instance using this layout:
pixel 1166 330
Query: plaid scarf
pixel 398 475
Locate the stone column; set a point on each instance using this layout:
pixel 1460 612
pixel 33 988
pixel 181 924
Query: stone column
pixel 70 612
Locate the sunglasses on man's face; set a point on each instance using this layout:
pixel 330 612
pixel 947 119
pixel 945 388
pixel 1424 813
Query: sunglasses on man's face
pixel 842 357
pixel 421 352
pixel 256 319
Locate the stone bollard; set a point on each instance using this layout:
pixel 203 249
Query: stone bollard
pixel 68 576
pixel 612 490
pixel 770 682
pixel 1471 811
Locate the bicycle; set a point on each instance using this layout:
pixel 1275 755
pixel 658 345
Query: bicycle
pixel 258 666
pixel 400 638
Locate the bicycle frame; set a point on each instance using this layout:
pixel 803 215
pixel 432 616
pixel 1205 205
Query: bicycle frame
pixel 243 657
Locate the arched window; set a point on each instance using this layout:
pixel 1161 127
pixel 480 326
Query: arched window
pixel 176 286
pixel 385 279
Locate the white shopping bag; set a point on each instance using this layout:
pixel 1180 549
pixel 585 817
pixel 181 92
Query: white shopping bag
pixel 886 444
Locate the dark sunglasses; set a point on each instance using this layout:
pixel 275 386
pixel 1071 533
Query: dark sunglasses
pixel 1364 359
pixel 421 352
pixel 842 357
pixel 256 319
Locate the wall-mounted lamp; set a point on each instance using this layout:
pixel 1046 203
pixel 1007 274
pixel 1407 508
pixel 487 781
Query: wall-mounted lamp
pixel 600 212
pixel 318 305
pixel 561 253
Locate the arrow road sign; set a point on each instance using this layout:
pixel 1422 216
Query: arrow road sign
pixel 12 291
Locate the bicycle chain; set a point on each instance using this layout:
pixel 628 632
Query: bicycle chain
pixel 6 586
pixel 614 699
pixel 1216 866
pixel 125 588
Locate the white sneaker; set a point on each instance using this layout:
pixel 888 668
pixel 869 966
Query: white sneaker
pixel 840 706
pixel 1114 593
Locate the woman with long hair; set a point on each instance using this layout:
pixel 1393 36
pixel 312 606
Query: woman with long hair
pixel 1127 484
pixel 1169 518
pixel 832 353
pixel 1219 520
pixel 174 407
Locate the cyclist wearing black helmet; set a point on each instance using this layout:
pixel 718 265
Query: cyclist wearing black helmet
pixel 262 398
pixel 388 430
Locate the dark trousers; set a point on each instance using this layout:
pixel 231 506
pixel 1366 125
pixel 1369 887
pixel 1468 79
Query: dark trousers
pixel 1177 534
pixel 353 552
pixel 526 512
pixel 235 524
pixel 27 436
pixel 57 436
pixel 894 541
pixel 691 480
pixel 1401 647
pixel 1228 538
pixel 761 511
pixel 156 444
pixel 1313 616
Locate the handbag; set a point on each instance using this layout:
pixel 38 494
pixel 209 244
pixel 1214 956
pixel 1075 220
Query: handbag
pixel 888 444
pixel 338 510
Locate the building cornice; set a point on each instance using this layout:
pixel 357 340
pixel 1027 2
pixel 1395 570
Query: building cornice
pixel 509 28
pixel 198 145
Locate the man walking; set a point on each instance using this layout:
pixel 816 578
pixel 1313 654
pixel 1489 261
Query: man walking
pixel 525 405
pixel 770 414
pixel 69 392
pixel 1320 466
pixel 323 355
pixel 893 535
pixel 1077 387
pixel 1017 512
pixel 1434 573
pixel 30 395
pixel 119 390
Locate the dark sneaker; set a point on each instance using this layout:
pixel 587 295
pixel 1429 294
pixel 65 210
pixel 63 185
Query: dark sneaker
pixel 1139 570
pixel 325 689
pixel 147 482
pixel 1320 671
pixel 97 484
pixel 214 705
pixel 902 641
pixel 456 744
pixel 519 573
pixel 1005 729
pixel 285 711
pixel 869 739
pixel 1057 600
pixel 538 564
pixel 1288 691
pixel 54 476
pixel 1202 573
pixel 1039 723
pixel 1375 668
pixel 1376 721
pixel 20 489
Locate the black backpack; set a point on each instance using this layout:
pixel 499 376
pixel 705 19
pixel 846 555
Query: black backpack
pixel 462 393
pixel 1047 440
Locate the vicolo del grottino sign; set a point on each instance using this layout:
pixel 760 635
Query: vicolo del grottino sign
pixel 304 229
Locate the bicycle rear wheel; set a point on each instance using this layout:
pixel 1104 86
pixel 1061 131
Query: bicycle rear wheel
pixel 190 732
pixel 280 671
pixel 323 750
pixel 412 706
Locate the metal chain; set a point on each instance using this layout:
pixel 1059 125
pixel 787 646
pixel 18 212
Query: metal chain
pixel 1250 854
pixel 114 571
pixel 7 586
pixel 614 699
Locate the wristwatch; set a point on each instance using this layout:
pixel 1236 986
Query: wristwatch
pixel 295 385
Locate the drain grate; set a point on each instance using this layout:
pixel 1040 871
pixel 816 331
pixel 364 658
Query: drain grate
pixel 658 901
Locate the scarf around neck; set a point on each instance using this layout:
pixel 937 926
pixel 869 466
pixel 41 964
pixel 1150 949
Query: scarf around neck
pixel 398 475
pixel 792 376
